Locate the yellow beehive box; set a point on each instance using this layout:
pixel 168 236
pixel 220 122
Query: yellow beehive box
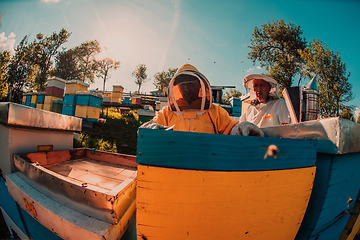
pixel 34 98
pixel 73 86
pixel 118 88
pixel 107 94
pixel 115 99
pixel 24 99
pixel 116 94
pixel 48 99
pixel 40 105
pixel 93 112
pixel 81 111
pixel 47 106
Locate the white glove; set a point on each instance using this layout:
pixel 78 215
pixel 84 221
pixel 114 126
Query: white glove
pixel 153 125
pixel 247 129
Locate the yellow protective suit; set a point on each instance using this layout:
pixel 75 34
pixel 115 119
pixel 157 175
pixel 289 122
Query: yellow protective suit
pixel 200 115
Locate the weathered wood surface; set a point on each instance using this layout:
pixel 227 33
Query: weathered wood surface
pixel 99 188
pixel 63 221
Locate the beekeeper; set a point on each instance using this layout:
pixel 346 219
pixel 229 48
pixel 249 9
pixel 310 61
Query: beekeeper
pixel 266 108
pixel 190 108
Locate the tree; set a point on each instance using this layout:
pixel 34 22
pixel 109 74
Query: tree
pixel 333 85
pixel 104 67
pixel 162 79
pixel 232 93
pixel 66 65
pixel 86 64
pixel 4 61
pixel 347 114
pixel 78 63
pixel 44 49
pixel 20 71
pixel 140 75
pixel 275 45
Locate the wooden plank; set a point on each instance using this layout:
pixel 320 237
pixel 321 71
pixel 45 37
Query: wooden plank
pixel 202 151
pixel 115 158
pixel 67 223
pixel 194 204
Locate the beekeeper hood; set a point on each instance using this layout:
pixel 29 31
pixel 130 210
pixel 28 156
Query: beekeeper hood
pixel 189 90
pixel 248 83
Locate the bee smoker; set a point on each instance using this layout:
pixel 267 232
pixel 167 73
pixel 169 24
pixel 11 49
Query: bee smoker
pixel 310 101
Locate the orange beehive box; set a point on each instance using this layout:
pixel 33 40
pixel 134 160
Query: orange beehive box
pixel 118 88
pixel 40 105
pixel 34 98
pixel 49 98
pixel 93 112
pixel 81 111
pixel 73 86
pixel 107 94
pixel 47 106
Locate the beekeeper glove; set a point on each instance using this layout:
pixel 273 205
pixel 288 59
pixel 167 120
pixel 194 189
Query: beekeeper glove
pixel 153 125
pixel 246 129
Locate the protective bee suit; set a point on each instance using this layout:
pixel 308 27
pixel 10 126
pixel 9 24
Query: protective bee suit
pixel 190 105
pixel 191 109
pixel 272 112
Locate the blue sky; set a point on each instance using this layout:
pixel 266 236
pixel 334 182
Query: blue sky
pixel 212 35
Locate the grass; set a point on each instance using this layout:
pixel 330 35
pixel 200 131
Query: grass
pixel 118 135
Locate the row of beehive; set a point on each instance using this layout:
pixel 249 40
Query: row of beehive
pixel 77 101
pixel 84 104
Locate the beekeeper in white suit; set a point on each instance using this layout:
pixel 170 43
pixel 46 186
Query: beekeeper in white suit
pixel 266 108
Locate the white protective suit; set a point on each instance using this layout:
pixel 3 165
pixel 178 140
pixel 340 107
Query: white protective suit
pixel 272 112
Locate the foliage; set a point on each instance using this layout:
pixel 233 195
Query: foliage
pixel 66 65
pixel 86 63
pixel 45 48
pixel 275 45
pixel 104 67
pixel 333 85
pixel 347 114
pixel 97 143
pixel 4 60
pixel 140 75
pixel 162 79
pixel 232 93
pixel 20 71
pixel 78 62
pixel 119 134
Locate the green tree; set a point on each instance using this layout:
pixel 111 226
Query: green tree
pixel 78 63
pixel 333 85
pixel 232 93
pixel 104 67
pixel 86 64
pixel 347 114
pixel 4 61
pixel 66 65
pixel 45 48
pixel 20 71
pixel 275 46
pixel 140 75
pixel 162 79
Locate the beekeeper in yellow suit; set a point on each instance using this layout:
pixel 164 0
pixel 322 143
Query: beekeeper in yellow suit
pixel 190 108
pixel 266 108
